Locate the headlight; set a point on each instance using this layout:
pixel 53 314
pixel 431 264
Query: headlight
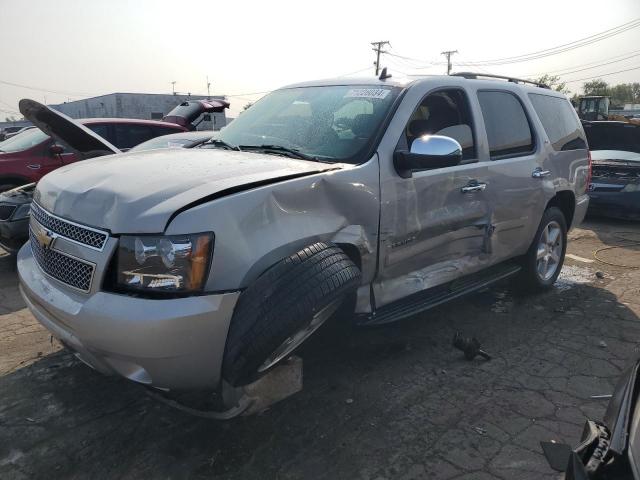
pixel 168 263
pixel 631 187
pixel 22 212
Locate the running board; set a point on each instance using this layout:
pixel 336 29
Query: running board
pixel 435 296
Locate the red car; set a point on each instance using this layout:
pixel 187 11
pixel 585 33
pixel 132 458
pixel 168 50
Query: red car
pixel 31 154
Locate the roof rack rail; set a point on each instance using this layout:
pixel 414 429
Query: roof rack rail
pixel 474 76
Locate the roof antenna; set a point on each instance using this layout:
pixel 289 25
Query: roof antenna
pixel 384 75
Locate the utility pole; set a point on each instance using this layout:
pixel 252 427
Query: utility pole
pixel 208 87
pixel 378 49
pixel 173 87
pixel 448 54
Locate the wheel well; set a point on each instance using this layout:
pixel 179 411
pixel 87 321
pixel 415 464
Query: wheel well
pixel 566 202
pixel 352 252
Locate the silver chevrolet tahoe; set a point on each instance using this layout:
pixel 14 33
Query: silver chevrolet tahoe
pixel 194 268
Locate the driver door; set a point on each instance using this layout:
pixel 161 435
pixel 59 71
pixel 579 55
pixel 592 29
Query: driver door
pixel 434 228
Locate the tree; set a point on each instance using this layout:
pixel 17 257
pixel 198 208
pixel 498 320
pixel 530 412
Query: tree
pixel 10 118
pixel 620 94
pixel 596 87
pixel 635 90
pixel 575 100
pixel 554 82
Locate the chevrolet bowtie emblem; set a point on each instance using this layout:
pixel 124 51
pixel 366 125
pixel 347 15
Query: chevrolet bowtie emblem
pixel 43 237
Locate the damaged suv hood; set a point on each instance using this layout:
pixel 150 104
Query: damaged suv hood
pixel 140 192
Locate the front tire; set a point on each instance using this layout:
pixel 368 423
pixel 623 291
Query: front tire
pixel 283 307
pixel 543 261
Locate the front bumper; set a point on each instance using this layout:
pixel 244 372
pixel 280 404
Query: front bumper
pixel 170 344
pixel 623 205
pixel 13 234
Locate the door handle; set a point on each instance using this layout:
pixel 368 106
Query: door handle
pixel 540 173
pixel 473 187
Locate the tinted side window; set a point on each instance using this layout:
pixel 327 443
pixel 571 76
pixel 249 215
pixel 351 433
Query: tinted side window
pixel 559 121
pixel 159 131
pixel 447 113
pixel 508 129
pixel 130 134
pixel 101 130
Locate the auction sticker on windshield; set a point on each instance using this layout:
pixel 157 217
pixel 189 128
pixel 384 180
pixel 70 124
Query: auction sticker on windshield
pixel 367 93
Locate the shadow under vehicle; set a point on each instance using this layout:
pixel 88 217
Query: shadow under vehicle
pixel 408 391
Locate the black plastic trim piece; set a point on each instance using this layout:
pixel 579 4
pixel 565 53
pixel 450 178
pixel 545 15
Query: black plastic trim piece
pixel 432 297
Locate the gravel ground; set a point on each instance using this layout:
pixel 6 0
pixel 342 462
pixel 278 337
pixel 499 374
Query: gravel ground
pixel 393 402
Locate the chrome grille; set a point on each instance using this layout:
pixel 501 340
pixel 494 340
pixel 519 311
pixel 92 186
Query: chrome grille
pixel 72 271
pixel 6 211
pixel 77 233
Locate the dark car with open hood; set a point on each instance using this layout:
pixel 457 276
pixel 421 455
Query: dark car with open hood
pixel 81 139
pixel 614 190
pixel 59 141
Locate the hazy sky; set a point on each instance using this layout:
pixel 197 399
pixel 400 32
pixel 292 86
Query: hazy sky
pixel 79 48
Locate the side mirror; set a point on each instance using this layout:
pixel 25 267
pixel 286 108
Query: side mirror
pixel 427 152
pixel 56 149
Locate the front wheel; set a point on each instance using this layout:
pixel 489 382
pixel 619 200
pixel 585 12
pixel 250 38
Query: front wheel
pixel 543 261
pixel 284 307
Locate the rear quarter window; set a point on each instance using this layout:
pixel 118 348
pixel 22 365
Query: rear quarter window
pixel 559 121
pixel 508 130
pixel 159 131
pixel 100 129
pixel 129 135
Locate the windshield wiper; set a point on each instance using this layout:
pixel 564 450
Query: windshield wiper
pixel 220 143
pixel 289 152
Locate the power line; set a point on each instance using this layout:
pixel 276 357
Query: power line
pixel 353 73
pixel 378 49
pixel 411 59
pixel 448 53
pixel 597 37
pixel 248 94
pixel 395 68
pixel 5 104
pixel 592 67
pixel 562 48
pixel 597 63
pixel 602 75
pixel 61 92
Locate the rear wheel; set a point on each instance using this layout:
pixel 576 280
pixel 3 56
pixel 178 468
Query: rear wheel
pixel 284 307
pixel 545 257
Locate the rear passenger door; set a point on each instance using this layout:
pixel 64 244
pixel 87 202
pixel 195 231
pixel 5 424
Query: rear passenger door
pixel 515 152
